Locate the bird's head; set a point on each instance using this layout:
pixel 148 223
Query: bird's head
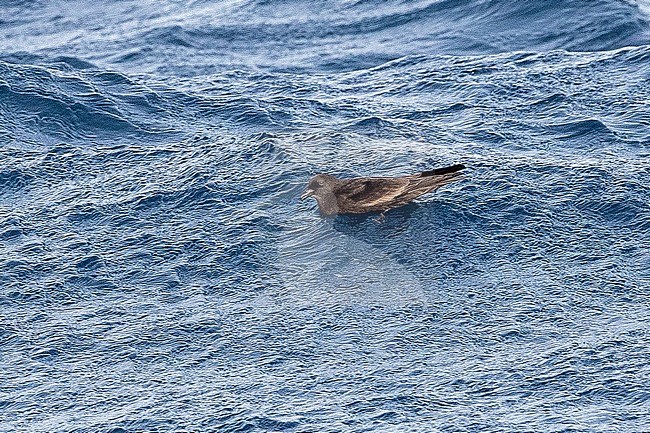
pixel 319 186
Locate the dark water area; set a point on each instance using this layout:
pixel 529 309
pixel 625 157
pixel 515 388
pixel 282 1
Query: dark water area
pixel 158 272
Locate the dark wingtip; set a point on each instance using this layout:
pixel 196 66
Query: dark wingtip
pixel 445 170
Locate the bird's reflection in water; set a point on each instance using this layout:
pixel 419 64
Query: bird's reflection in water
pixel 413 234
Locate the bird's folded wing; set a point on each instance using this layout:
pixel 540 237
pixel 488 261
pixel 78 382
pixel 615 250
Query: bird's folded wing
pixel 371 192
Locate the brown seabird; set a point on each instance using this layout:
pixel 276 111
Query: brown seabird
pixel 375 194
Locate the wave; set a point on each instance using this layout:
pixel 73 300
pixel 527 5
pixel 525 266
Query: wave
pixel 207 37
pixel 73 104
pixel 151 161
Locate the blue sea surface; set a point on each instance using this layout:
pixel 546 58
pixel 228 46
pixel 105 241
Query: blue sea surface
pixel 159 273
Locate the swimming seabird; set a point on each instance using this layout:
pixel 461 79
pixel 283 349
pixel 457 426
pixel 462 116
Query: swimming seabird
pixel 375 194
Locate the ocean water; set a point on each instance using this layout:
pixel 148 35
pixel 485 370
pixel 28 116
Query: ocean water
pixel 158 272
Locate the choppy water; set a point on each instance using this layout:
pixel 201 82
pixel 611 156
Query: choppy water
pixel 158 273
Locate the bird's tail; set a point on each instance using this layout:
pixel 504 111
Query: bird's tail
pixel 441 171
pixel 434 179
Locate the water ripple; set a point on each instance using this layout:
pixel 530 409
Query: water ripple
pixel 158 272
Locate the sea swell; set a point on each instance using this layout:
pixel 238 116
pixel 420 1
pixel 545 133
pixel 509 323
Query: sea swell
pixel 301 36
pixel 158 271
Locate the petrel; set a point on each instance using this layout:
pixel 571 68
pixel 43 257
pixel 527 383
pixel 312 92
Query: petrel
pixel 375 194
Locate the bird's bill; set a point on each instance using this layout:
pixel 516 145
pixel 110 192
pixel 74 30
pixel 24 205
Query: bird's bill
pixel 308 193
